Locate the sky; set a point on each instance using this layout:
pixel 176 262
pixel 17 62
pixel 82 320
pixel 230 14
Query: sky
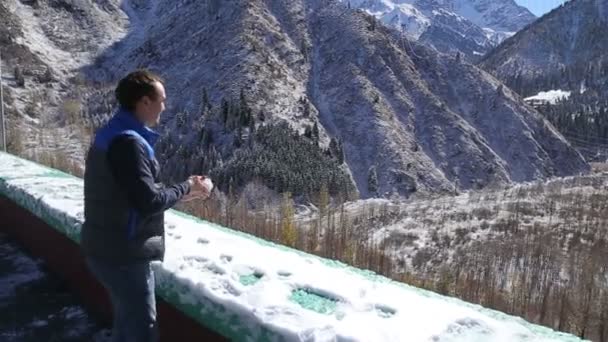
pixel 540 7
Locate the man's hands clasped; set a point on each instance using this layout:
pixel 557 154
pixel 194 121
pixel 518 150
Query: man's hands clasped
pixel 200 187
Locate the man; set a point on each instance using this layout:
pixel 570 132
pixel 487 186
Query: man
pixel 125 203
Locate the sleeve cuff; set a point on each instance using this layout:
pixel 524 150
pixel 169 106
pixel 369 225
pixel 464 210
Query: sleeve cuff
pixel 188 186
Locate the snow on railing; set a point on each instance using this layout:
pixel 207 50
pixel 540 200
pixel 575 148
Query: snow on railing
pixel 249 289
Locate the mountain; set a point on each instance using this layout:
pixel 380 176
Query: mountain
pixel 564 51
pixel 44 44
pixel 357 106
pixel 472 27
pixel 500 16
pixel 419 122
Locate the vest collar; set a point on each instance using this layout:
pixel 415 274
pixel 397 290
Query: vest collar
pixel 127 120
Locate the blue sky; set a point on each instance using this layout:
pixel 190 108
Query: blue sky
pixel 540 7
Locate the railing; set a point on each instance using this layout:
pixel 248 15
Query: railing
pixel 244 288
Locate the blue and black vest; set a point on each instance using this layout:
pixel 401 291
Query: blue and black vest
pixel 113 230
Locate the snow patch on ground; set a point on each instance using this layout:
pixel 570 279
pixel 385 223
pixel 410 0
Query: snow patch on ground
pixel 550 96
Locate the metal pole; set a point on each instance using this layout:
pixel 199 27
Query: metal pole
pixel 2 122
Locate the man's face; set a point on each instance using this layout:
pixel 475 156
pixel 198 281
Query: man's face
pixel 149 108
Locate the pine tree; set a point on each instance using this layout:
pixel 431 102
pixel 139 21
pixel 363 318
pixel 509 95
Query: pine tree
pixel 238 137
pixel 304 49
pixel 308 132
pixel 306 109
pixel 315 133
pixel 333 148
pixel 244 110
pixel 341 156
pixel 205 105
pixel 372 181
pixel 19 77
pixel 225 110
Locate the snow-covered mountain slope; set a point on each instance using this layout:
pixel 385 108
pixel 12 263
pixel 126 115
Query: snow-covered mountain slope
pixel 472 27
pixel 573 35
pixel 44 44
pixel 424 122
pixel 564 50
pixel 500 16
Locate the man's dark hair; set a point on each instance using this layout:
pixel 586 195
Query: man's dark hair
pixel 136 85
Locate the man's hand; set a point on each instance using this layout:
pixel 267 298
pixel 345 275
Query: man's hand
pixel 200 187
